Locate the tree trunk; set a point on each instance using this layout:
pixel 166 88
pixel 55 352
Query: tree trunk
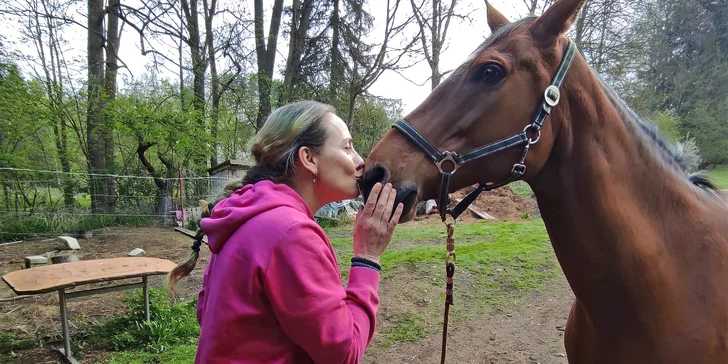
pixel 199 66
pixel 436 44
pixel 164 204
pixel 438 24
pixel 350 116
pixel 112 53
pixel 266 52
pixel 337 69
pixel 94 113
pixel 181 66
pixel 214 80
pixel 54 90
pixel 6 194
pixel 299 28
pixel 162 186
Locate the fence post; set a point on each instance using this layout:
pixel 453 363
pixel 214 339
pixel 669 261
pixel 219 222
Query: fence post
pixel 181 195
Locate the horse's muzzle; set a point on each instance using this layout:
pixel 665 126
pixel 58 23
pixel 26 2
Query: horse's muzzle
pixel 406 192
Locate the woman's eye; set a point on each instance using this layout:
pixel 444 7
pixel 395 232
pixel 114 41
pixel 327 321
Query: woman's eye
pixel 491 73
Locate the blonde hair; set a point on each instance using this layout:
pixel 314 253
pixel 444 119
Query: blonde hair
pixel 275 149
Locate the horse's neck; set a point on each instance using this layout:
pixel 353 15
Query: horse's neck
pixel 615 212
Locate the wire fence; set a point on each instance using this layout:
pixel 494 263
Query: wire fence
pixel 35 202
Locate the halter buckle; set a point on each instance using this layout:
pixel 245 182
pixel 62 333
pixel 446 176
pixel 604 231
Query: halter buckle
pixel 450 257
pixel 519 168
pixel 552 95
pixel 448 157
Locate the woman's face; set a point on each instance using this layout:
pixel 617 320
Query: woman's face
pixel 340 167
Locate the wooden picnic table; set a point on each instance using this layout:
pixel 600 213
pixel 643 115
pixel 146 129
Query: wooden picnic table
pixel 59 277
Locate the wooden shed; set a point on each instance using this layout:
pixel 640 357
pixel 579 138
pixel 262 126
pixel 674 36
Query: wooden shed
pixel 223 173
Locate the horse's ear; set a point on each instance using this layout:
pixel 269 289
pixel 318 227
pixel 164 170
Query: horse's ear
pixel 555 21
pixel 495 18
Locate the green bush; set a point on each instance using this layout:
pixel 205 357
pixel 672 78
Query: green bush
pixel 522 188
pixel 10 342
pixel 19 228
pixel 171 324
pixel 193 223
pixel 667 124
pixel 327 223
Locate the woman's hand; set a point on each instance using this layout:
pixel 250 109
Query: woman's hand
pixel 374 227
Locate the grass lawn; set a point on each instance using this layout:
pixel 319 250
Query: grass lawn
pixel 177 354
pixel 719 176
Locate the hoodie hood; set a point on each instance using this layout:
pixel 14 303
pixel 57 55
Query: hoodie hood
pixel 244 204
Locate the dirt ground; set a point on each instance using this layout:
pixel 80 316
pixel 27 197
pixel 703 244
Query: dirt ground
pixel 500 203
pixel 39 314
pixel 527 331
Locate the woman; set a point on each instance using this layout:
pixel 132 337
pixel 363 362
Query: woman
pixel 272 291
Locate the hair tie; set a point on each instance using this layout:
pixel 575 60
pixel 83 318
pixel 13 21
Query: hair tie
pixel 198 241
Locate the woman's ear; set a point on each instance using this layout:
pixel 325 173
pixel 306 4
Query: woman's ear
pixel 308 159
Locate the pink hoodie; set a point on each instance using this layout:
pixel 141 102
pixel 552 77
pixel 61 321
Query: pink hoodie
pixel 272 292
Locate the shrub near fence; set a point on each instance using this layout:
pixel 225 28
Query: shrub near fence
pixel 38 203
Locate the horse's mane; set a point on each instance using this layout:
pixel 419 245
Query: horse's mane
pixel 683 158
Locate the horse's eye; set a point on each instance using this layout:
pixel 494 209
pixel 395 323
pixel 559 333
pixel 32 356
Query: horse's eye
pixel 490 73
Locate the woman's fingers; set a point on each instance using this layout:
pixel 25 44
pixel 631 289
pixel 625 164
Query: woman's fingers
pixel 359 212
pixel 395 218
pixel 389 206
pixel 372 199
pixel 382 202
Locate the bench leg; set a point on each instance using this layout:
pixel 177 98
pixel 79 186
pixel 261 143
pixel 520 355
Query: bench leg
pixel 146 297
pixel 66 351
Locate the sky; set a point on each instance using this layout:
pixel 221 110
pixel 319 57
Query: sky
pixel 462 38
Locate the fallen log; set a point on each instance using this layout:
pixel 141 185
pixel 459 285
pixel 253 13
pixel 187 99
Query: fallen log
pixel 480 214
pixel 190 233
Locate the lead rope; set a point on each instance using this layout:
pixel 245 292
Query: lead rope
pixel 449 272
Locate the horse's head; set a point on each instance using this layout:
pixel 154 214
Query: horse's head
pixel 494 95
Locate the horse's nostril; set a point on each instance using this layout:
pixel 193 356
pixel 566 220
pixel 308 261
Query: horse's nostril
pixel 377 173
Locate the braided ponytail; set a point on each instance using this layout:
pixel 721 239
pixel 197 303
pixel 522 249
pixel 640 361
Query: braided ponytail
pixel 186 268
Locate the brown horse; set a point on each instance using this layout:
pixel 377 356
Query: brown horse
pixel 643 245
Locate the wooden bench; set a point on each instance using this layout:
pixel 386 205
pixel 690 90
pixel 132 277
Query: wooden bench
pixel 59 277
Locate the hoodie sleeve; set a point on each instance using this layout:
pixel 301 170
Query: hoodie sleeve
pixel 331 324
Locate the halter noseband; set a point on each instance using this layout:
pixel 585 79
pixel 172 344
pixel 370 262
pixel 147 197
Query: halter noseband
pixel 551 99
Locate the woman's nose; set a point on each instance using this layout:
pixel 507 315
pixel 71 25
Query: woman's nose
pixel 358 161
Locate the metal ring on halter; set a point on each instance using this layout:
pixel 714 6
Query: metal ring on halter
pixel 538 133
pixel 448 156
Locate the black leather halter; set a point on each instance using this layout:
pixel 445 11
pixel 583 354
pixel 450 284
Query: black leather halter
pixel 551 99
